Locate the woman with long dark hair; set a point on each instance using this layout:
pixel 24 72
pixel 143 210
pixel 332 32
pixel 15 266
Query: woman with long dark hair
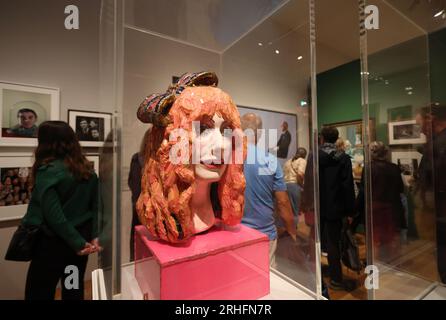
pixel 134 183
pixel 64 203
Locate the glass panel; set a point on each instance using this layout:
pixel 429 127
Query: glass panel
pixel 260 51
pixel 339 106
pixel 405 207
pixel 44 53
pixel 263 71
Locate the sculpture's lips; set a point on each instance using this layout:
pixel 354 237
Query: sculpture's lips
pixel 211 166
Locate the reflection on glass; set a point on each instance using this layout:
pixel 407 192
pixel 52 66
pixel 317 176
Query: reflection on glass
pixel 402 81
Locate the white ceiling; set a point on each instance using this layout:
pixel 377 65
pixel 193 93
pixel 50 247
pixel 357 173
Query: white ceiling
pixel 219 25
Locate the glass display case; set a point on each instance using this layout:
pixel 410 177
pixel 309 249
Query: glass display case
pixel 261 52
pixel 299 66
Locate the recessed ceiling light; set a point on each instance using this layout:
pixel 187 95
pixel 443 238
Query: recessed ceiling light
pixel 409 88
pixel 386 82
pixel 300 58
pixel 260 44
pixel 410 93
pixel 439 13
pixel 277 51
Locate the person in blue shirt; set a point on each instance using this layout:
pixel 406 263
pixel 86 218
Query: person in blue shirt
pixel 265 188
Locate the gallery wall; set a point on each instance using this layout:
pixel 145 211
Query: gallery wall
pixel 38 50
pixel 437 54
pixel 339 89
pixel 339 94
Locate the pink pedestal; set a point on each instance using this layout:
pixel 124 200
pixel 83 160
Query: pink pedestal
pixel 220 264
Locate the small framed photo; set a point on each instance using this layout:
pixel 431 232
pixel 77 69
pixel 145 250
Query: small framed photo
pixel 94 160
pixel 22 109
pixel 409 162
pixel 405 132
pixel 92 128
pixel 15 186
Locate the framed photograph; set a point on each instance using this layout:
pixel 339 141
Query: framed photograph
pixel 400 113
pixel 92 128
pixel 408 161
pixel 405 132
pixel 15 186
pixel 22 109
pixel 94 160
pixel 280 136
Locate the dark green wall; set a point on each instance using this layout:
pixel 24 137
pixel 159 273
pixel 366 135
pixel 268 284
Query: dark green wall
pixel 339 89
pixel 437 57
pixel 339 94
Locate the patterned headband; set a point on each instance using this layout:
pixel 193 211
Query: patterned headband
pixel 155 108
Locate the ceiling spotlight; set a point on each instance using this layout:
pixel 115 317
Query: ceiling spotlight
pixel 410 93
pixel 409 88
pixel 277 51
pixel 300 58
pixel 439 13
pixel 260 44
pixel 386 82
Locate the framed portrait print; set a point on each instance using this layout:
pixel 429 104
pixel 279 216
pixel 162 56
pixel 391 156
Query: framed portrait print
pixel 280 136
pixel 15 186
pixel 405 132
pixel 91 128
pixel 409 162
pixel 22 109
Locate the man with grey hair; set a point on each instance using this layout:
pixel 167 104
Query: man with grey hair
pixel 265 187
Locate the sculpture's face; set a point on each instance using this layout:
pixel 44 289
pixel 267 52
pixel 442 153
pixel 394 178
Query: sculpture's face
pixel 175 202
pixel 212 144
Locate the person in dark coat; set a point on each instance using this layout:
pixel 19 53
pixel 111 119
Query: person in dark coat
pixel 336 199
pixel 432 172
pixel 284 142
pixel 387 208
pixel 134 183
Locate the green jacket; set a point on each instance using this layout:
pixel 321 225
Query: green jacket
pixel 61 203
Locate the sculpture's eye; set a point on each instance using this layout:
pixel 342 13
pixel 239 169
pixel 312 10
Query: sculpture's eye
pixel 226 126
pixel 206 123
pixel 204 127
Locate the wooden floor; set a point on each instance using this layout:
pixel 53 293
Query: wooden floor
pixel 405 277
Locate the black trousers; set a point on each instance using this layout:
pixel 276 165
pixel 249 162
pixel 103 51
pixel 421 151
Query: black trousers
pixel 135 222
pixel 49 265
pixel 332 230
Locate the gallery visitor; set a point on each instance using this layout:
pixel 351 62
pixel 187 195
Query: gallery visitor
pixel 294 171
pixel 265 186
pixel 336 200
pixel 64 204
pixel 433 124
pixel 134 183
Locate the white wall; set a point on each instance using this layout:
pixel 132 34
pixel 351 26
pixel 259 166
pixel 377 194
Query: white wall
pixel 38 50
